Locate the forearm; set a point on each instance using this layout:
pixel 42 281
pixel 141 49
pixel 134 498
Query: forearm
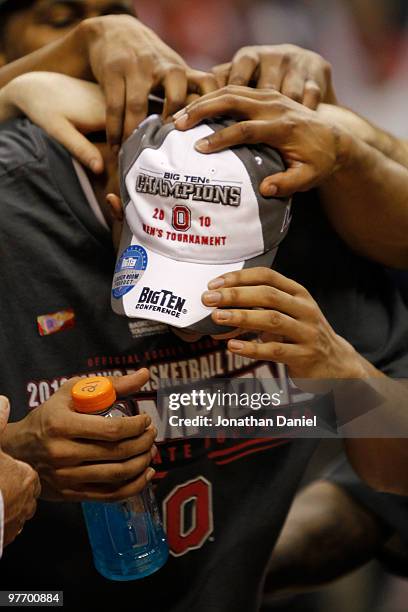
pixel 326 535
pixel 7 110
pixel 391 146
pixel 366 200
pixel 67 55
pixel 373 421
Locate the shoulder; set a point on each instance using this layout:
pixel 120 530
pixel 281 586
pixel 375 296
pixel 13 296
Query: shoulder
pixel 21 143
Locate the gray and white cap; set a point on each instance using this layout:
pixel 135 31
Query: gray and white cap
pixel 189 218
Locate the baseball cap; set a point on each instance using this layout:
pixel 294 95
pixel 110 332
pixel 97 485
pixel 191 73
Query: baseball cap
pixel 188 218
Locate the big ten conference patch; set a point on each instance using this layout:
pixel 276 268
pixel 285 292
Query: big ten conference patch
pixel 129 270
pixel 55 322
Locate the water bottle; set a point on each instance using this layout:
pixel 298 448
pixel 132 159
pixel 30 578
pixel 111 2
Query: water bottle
pixel 127 538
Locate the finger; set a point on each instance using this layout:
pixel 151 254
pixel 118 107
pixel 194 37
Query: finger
pixel 293 85
pixel 255 297
pixel 131 383
pixel 312 94
pixel 192 97
pixel 263 320
pixel 202 82
pixel 245 132
pixel 37 487
pixel 283 184
pixel 212 107
pixel 91 427
pixel 4 412
pixel 79 452
pixel 258 276
pixel 230 91
pixel 175 89
pixel 138 87
pixel 270 74
pixel 221 73
pixel 110 494
pixel 273 132
pixel 243 67
pixel 115 94
pixel 77 144
pixel 31 510
pixel 272 351
pixel 108 473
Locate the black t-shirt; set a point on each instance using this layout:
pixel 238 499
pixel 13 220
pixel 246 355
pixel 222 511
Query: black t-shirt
pixel 223 501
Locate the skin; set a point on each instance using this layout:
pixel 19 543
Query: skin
pixel 364 191
pixel 46 21
pixel 303 340
pixel 323 517
pixel 125 57
pixel 85 457
pixel 19 485
pixel 302 75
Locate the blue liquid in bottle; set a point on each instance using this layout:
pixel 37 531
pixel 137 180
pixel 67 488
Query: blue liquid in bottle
pixel 127 538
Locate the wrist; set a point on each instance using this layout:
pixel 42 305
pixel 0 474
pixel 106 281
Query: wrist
pixel 11 439
pixel 354 366
pixel 344 147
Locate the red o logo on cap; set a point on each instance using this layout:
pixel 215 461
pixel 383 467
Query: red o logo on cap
pixel 181 219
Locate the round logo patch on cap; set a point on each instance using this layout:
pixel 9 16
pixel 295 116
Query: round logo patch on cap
pixel 129 270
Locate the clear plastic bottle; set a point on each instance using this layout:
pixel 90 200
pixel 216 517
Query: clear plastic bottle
pixel 127 538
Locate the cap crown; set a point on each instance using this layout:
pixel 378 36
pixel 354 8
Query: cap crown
pixel 199 208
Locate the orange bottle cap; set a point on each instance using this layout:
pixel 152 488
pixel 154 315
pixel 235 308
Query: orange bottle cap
pixel 94 394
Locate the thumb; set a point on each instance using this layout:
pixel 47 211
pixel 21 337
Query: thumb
pixel 77 144
pixel 284 184
pixel 4 412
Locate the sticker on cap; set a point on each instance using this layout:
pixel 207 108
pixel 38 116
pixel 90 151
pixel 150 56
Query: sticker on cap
pixel 129 270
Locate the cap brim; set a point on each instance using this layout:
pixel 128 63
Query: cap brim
pixel 158 288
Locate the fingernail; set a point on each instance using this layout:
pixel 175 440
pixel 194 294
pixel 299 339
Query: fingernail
pixel 223 315
pixel 211 298
pixel 94 165
pixel 235 345
pixel 179 113
pixel 216 283
pixel 154 451
pixel 270 190
pixel 202 145
pixel 150 473
pixel 148 421
pixel 4 402
pixel 181 122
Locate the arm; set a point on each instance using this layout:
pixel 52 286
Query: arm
pixel 66 108
pixel 366 200
pixel 295 332
pixel 326 535
pixel 391 146
pixel 19 488
pixel 365 194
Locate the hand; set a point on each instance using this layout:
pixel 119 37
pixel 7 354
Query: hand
pixel 130 61
pixel 19 485
pixel 87 457
pixel 296 331
pixel 66 108
pixel 311 147
pixel 298 73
